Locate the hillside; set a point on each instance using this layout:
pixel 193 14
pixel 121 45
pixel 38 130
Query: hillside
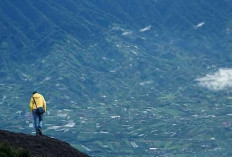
pixel 39 145
pixel 149 78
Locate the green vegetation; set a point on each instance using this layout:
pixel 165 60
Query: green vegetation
pixel 7 151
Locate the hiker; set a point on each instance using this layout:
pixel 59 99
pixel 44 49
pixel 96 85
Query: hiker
pixel 37 108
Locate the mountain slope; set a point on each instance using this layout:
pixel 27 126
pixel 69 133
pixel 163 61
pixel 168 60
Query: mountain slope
pixel 39 146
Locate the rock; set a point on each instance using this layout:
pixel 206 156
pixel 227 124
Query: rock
pixel 40 145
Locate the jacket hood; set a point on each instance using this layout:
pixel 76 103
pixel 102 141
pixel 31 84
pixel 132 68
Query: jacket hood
pixel 36 95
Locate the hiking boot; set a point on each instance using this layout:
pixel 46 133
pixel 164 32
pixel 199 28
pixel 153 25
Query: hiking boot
pixel 37 132
pixel 40 131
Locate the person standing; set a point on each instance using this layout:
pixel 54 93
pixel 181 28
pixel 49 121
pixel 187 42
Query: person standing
pixel 38 107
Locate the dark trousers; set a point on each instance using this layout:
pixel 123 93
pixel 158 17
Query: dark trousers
pixel 38 120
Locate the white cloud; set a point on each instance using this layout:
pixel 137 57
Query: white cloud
pixel 220 80
pixel 145 29
pixel 145 83
pixel 127 33
pixel 199 25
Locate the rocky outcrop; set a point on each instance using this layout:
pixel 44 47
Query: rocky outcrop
pixel 40 145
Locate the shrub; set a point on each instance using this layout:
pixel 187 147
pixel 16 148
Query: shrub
pixel 7 151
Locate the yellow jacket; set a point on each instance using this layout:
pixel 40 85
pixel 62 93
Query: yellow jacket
pixel 40 102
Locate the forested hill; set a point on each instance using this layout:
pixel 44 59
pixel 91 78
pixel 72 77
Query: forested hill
pixel 113 41
pixel 30 29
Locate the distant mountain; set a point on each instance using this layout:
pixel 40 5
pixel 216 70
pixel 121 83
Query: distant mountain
pixel 117 75
pixel 29 29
